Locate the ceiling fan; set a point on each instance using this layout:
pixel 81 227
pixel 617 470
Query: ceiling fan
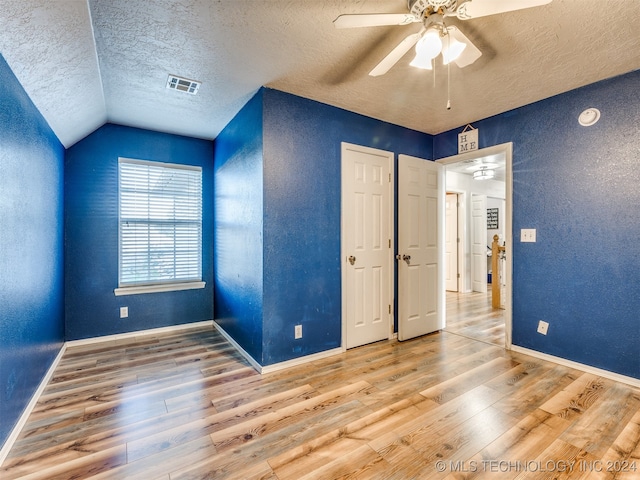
pixel 434 38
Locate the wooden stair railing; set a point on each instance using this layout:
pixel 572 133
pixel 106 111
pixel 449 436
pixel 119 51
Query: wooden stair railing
pixel 495 280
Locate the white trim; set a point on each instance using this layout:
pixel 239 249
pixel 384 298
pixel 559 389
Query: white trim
pixel 155 163
pixel 294 362
pixel 461 215
pixel 276 366
pixel 13 436
pixel 392 246
pixel 189 187
pixel 164 287
pixel 6 448
pixel 237 346
pixel 139 333
pixel 507 150
pixel 634 382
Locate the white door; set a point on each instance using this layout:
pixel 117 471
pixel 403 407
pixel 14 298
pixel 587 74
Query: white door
pixel 367 254
pixel 420 247
pixel 479 243
pixel 451 242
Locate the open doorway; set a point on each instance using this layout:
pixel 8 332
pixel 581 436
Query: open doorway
pixel 472 198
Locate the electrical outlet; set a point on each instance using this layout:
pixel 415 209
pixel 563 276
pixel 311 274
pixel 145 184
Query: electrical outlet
pixel 124 312
pixel 543 327
pixel 528 235
pixel 298 331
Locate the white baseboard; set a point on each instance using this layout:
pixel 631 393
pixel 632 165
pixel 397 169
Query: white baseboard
pixel 276 366
pixel 301 360
pixel 13 436
pixel 4 451
pixel 139 333
pixel 634 382
pixel 237 346
pixel 86 341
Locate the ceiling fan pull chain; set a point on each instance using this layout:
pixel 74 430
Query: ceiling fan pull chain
pixel 448 73
pixel 433 64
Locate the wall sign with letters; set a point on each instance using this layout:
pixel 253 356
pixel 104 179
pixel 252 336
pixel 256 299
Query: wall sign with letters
pixel 468 139
pixel 492 218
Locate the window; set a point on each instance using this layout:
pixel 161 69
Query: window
pixel 160 214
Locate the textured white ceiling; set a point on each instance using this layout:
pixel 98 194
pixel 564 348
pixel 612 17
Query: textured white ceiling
pixel 50 48
pixel 87 62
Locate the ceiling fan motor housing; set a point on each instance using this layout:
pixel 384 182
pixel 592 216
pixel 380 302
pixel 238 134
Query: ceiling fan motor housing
pixel 421 8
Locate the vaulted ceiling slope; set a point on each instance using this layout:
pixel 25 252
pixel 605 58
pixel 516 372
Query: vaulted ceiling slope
pixel 87 62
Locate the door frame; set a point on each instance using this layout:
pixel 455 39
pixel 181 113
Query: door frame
pixel 507 150
pixel 483 250
pixel 458 240
pixel 343 253
pixel 462 235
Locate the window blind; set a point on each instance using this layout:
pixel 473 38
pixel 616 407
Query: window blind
pixel 160 223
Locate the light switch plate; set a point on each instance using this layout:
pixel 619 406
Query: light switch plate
pixel 528 235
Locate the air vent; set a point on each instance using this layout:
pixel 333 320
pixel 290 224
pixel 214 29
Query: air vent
pixel 183 84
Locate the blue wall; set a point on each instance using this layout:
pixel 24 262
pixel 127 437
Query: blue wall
pixel 578 186
pixel 31 249
pixel 91 234
pixel 238 228
pixel 277 182
pixel 277 175
pixel 302 156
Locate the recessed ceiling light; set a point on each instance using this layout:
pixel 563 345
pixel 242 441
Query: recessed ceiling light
pixel 589 117
pixel 183 84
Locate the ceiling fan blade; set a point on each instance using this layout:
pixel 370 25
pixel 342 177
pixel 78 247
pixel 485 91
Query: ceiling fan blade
pixel 470 53
pixel 482 8
pixel 373 20
pixel 396 54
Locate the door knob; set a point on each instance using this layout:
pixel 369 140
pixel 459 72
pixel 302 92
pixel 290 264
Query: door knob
pixel 352 259
pixel 406 258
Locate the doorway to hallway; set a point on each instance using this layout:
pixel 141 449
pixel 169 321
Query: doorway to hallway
pixel 469 311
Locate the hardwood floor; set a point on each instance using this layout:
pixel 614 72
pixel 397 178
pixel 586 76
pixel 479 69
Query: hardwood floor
pixel 187 406
pixel 471 315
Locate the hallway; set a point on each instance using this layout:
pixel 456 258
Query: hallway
pixel 471 315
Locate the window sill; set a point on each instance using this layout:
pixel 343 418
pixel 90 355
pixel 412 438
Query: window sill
pixel 167 287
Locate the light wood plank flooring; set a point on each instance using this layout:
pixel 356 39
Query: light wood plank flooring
pixel 471 315
pixel 187 406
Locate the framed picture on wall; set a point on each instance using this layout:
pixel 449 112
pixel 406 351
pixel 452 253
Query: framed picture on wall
pixel 492 218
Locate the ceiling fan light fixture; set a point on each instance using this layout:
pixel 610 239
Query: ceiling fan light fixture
pixel 483 165
pixel 432 14
pixel 452 50
pixel 429 46
pixel 421 62
pixel 484 174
